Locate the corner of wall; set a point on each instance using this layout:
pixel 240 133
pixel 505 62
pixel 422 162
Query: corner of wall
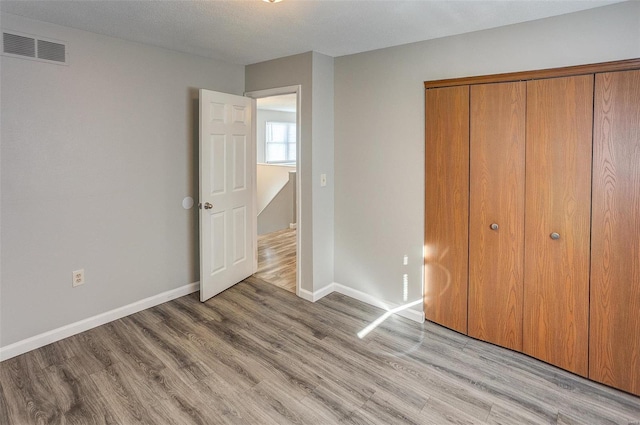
pixel 323 165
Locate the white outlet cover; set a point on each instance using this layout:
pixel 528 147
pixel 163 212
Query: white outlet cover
pixel 77 277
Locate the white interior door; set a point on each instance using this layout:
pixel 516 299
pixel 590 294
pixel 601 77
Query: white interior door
pixel 227 199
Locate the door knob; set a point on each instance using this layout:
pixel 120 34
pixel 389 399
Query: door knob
pixel 555 236
pixel 494 226
pixel 207 205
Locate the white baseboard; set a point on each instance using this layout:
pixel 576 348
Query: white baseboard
pixel 293 225
pixel 315 296
pixel 411 314
pixel 305 295
pixel 63 332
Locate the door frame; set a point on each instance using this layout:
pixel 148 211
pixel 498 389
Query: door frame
pixel 258 94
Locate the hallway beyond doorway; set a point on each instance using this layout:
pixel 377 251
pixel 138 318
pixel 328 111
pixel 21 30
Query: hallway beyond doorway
pixel 277 259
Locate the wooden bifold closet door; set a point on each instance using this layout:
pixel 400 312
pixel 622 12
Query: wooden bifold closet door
pixel 532 214
pixel 615 264
pixel 496 222
pixel 447 206
pixel 557 223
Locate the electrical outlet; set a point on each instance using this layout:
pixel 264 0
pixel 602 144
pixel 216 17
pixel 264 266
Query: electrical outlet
pixel 78 277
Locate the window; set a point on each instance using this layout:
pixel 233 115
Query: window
pixel 280 142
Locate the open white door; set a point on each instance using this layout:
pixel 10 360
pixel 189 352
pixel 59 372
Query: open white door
pixel 226 192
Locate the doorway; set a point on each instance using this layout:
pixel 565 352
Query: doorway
pixel 277 186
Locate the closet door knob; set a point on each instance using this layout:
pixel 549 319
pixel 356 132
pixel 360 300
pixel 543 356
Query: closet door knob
pixel 494 226
pixel 555 236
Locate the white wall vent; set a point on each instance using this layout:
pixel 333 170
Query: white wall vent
pixel 35 48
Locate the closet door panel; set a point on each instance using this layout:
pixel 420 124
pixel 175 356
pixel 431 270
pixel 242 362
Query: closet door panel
pixel 447 206
pixel 558 193
pixel 496 262
pixel 615 264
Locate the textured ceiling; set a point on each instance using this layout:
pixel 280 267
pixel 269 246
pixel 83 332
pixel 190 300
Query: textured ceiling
pixel 250 31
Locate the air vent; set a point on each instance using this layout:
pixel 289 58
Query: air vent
pixel 35 48
pixel 51 51
pixel 18 45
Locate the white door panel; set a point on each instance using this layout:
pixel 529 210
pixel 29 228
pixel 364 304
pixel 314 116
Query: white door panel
pixel 226 192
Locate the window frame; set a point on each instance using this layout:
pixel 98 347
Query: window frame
pixel 286 143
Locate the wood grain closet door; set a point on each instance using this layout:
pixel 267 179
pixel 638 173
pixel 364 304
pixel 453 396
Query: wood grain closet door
pixel 615 261
pixel 447 206
pixel 558 201
pixel 496 260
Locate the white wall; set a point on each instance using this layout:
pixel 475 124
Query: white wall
pixel 379 129
pixel 262 117
pixel 96 159
pixel 314 72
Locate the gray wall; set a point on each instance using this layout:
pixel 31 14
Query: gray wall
pixel 283 72
pixel 96 159
pixel 262 116
pixel 323 163
pixel 279 213
pixel 314 72
pixel 97 156
pixel 379 129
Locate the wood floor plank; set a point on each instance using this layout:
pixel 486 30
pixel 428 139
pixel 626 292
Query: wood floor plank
pixel 232 403
pixel 310 318
pixel 287 370
pixel 337 398
pixel 27 393
pixel 437 412
pixel 119 337
pixel 549 387
pixel 341 355
pixel 48 355
pixel 283 406
pixel 175 394
pixel 92 353
pixel 502 414
pixel 385 409
pixel 160 413
pixel 71 386
pixel 117 388
pixel 191 306
pixel 360 417
pixel 4 407
pixel 257 354
pixel 187 345
pixel 277 259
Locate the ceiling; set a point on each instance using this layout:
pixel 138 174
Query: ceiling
pixel 282 103
pixel 250 31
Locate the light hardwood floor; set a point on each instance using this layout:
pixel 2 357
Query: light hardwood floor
pixel 277 258
pixel 256 354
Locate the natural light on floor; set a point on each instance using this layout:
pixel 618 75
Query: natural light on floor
pixel 384 317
